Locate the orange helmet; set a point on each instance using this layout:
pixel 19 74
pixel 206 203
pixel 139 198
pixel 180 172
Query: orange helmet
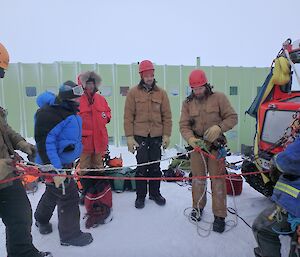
pixel 4 57
pixel 146 65
pixel 197 78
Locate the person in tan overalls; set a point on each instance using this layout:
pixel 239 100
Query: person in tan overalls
pixel 206 115
pixel 15 208
pixel 147 126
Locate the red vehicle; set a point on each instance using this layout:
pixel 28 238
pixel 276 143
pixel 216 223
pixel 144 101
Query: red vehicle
pixel 277 112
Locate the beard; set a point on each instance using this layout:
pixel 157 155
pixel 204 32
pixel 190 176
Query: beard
pixel 149 83
pixel 200 97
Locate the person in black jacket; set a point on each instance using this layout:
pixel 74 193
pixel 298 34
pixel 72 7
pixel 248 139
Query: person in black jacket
pixel 57 134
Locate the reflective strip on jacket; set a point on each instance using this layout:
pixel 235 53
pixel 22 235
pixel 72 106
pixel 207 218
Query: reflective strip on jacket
pixel 287 195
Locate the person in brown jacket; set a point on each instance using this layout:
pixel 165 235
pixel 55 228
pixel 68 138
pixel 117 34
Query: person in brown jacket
pixel 15 209
pixel 147 125
pixel 206 115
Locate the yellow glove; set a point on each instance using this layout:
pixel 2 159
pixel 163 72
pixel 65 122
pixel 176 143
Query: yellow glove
pixel 27 148
pixel 132 144
pixel 165 141
pixel 193 141
pixel 213 133
pixel 58 180
pixel 6 168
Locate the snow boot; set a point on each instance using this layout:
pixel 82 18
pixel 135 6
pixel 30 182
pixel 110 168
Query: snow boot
pixel 139 203
pixel 45 254
pixel 154 193
pixel 219 224
pixel 44 229
pixel 257 252
pixel 82 240
pixel 158 199
pixel 196 214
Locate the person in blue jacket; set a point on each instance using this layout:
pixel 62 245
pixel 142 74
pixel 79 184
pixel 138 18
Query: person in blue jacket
pixel 57 133
pixel 283 217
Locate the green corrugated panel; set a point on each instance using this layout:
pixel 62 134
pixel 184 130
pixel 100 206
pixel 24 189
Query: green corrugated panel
pixel 233 84
pixel 160 75
pixel 67 71
pixel 172 86
pixel 135 74
pixel 49 74
pixel 86 67
pixel 123 79
pixel 30 82
pixel 216 77
pixel 246 126
pixel 11 98
pixel 173 78
pixel 108 90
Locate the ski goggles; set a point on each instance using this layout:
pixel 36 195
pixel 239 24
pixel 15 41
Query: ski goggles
pixel 70 93
pixel 78 90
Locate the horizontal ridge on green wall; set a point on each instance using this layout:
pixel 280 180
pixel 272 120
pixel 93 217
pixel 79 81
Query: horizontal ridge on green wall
pixel 24 81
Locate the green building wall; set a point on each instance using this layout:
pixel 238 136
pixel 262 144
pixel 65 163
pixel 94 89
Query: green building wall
pixel 23 82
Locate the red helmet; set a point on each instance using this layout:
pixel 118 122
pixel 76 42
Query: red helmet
pixel 197 78
pixel 145 66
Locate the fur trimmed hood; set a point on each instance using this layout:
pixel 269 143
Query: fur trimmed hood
pixel 84 77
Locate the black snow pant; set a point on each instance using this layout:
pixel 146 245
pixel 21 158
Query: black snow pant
pixel 67 209
pixel 264 232
pixel 149 150
pixel 16 214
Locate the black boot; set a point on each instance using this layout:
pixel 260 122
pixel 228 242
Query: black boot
pixel 140 203
pixel 44 228
pixel 219 224
pixel 154 192
pixel 82 240
pixel 45 254
pixel 141 191
pixel 196 214
pixel 159 199
pixel 257 252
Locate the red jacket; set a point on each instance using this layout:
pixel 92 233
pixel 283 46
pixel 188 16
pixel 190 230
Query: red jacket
pixel 94 116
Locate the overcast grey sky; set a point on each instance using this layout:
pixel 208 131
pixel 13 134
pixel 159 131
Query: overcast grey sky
pixel 232 32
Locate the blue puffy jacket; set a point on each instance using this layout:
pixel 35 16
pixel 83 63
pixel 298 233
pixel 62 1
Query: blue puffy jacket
pixel 57 131
pixel 288 161
pixel 287 189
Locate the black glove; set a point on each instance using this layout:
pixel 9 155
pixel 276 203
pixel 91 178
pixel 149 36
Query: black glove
pixel 275 173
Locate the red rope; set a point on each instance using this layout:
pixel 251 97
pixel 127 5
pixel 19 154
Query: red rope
pixel 135 178
pixel 33 171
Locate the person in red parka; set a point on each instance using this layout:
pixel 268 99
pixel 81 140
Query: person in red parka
pixel 95 114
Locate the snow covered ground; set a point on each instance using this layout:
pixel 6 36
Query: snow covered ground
pixel 155 230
